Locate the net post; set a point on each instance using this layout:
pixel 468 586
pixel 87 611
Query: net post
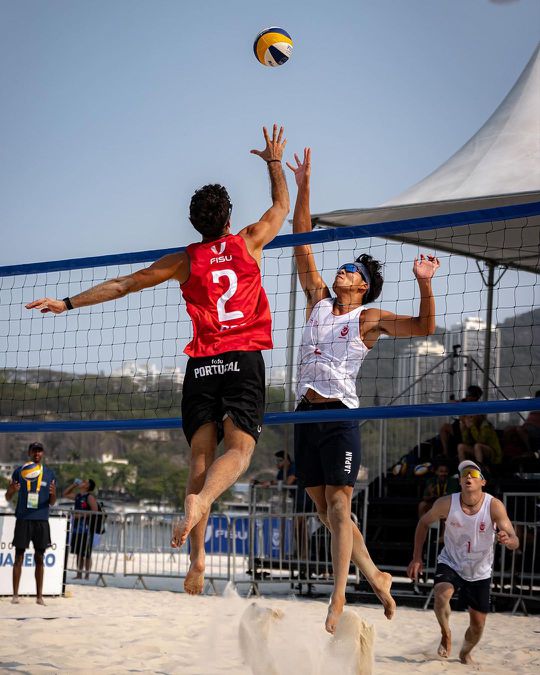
pixel 490 284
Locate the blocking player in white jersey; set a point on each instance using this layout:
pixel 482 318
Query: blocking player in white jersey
pixel 339 332
pixel 465 564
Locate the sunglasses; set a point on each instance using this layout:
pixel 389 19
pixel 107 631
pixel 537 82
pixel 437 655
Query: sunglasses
pixel 349 267
pixel 473 473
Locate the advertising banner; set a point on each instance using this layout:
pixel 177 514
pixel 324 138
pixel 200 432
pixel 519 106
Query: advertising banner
pixel 220 539
pixel 54 559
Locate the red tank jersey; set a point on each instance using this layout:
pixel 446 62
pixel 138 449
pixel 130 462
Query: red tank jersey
pixel 225 299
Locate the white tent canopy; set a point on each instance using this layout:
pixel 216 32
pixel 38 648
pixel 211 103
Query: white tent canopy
pixel 498 166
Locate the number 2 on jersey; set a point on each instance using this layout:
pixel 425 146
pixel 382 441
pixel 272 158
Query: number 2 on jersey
pixel 223 315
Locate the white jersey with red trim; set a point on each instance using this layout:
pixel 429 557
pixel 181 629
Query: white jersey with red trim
pixel 469 540
pixel 331 354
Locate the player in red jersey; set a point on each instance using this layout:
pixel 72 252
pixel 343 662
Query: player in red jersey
pixel 224 385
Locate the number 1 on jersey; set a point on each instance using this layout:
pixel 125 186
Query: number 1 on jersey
pixel 223 315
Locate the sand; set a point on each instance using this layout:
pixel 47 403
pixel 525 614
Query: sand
pixel 114 630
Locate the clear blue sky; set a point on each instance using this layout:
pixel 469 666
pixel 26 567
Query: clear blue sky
pixel 113 112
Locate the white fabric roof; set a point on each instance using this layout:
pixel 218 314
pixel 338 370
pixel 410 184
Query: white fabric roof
pixel 498 166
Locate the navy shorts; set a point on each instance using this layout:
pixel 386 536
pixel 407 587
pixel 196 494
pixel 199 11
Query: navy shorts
pixel 232 385
pixel 35 531
pixel 473 594
pixel 326 453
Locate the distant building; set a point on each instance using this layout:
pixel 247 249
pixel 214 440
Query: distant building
pixel 421 372
pixel 119 468
pixel 148 375
pixel 470 336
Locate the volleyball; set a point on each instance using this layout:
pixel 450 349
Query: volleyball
pixel 273 47
pixel 422 469
pixel 30 471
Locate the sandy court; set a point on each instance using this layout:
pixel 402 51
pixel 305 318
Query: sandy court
pixel 112 630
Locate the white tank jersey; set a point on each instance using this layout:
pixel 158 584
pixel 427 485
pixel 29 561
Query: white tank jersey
pixel 468 541
pixel 331 353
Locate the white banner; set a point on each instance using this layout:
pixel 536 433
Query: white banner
pixel 54 559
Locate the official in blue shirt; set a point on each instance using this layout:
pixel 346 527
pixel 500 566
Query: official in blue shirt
pixel 35 487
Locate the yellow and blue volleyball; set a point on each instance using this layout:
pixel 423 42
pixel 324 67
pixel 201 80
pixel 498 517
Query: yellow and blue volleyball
pixel 422 469
pixel 30 470
pixel 273 47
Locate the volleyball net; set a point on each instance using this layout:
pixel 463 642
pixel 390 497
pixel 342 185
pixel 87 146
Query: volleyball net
pixel 120 365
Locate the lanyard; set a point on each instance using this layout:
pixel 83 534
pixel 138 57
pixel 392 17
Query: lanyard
pixel 39 479
pixel 441 489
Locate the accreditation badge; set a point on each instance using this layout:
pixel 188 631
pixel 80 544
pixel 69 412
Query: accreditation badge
pixel 33 500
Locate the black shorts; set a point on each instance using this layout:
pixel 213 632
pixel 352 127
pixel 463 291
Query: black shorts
pixel 326 453
pixel 36 531
pixel 473 594
pixel 228 385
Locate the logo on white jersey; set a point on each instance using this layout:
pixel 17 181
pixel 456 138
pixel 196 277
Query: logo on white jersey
pixel 218 250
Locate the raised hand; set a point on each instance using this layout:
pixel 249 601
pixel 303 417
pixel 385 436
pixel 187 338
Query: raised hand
pixel 48 305
pixel 274 147
pixel 302 170
pixel 425 266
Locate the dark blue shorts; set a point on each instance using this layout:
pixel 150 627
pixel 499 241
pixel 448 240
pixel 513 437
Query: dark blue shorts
pixel 326 453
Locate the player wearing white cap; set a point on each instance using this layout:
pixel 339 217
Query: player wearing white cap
pixel 465 564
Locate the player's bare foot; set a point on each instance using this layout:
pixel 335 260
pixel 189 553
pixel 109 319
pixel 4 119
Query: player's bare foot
pixel 335 610
pixel 194 511
pixel 465 654
pixel 382 591
pixel 194 581
pixel 40 601
pixel 15 600
pixel 466 658
pixel 446 645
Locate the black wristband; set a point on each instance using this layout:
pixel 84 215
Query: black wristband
pixel 268 161
pixel 67 302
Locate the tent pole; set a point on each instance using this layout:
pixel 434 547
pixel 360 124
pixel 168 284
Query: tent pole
pixel 490 283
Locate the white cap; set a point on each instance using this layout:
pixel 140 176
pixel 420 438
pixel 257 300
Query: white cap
pixel 466 463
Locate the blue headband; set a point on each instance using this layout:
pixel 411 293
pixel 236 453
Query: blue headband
pixel 362 269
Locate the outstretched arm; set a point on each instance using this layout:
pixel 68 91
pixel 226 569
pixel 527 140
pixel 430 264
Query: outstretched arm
pixel 172 266
pixel 310 279
pixel 439 510
pixel 259 234
pixel 378 321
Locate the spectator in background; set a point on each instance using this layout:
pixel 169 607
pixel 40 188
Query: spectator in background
pixel 450 432
pixel 35 487
pixel 286 474
pixel 83 528
pixel 529 431
pixel 523 441
pixel 438 485
pixel 286 470
pixel 479 441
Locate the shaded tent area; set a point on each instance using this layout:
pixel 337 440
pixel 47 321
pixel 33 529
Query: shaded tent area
pixel 498 167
